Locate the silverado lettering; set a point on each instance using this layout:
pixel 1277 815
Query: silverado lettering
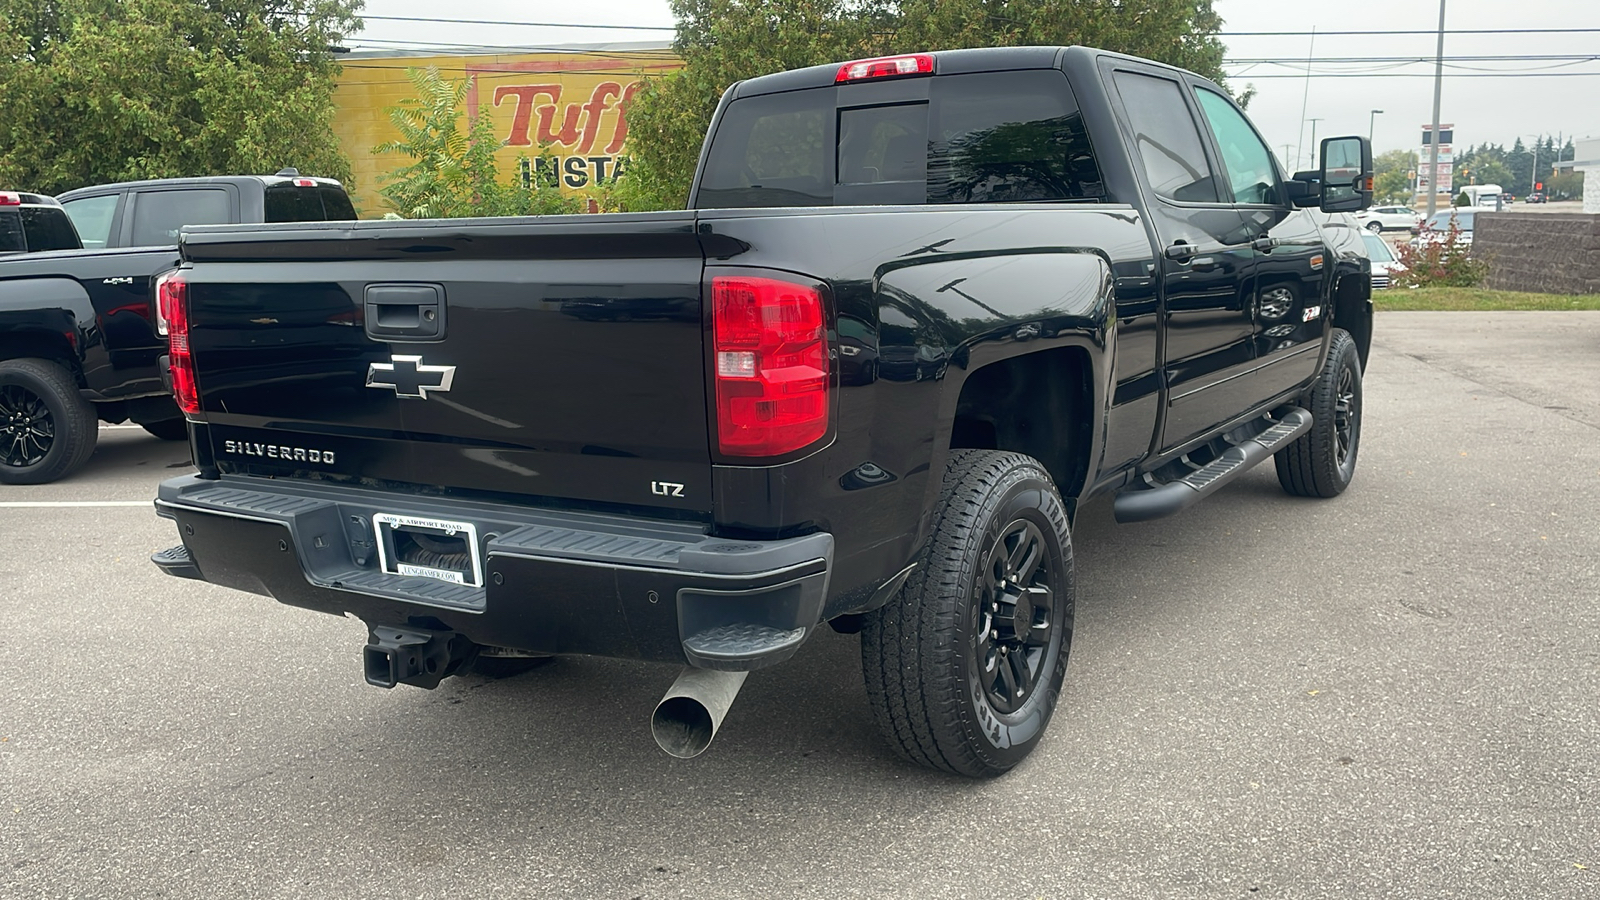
pixel 918 312
pixel 276 451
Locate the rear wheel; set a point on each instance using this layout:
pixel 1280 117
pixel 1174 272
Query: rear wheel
pixel 1375 227
pixel 1322 461
pixel 47 430
pixel 963 667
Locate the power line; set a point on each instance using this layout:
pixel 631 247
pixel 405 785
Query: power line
pixel 1428 75
pixel 1409 59
pixel 519 24
pixel 1421 31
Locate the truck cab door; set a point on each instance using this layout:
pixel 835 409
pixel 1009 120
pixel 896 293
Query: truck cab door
pixel 1203 259
pixel 1289 263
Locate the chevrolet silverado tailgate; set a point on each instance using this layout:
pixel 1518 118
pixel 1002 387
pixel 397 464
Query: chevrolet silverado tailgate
pixel 558 358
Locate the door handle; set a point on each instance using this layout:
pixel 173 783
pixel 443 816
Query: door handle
pixel 1263 244
pixel 1180 251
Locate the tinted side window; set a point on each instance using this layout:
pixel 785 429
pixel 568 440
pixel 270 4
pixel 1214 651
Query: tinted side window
pixel 92 217
pixel 1249 163
pixel 158 215
pixel 1167 139
pixel 48 228
pixel 11 232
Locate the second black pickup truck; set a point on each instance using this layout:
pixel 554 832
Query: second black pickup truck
pixel 79 340
pixel 920 310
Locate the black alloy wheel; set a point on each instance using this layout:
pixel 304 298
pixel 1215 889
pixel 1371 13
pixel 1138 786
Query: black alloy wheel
pixel 964 665
pixel 1344 416
pixel 1014 619
pixel 27 429
pixel 47 429
pixel 1322 462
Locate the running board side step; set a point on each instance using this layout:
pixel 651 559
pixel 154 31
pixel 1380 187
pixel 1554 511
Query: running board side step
pixel 1146 503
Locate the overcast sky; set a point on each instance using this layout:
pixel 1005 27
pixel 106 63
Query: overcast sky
pixel 1496 109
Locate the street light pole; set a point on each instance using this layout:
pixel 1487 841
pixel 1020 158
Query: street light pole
pixel 1433 142
pixel 1533 174
pixel 1375 113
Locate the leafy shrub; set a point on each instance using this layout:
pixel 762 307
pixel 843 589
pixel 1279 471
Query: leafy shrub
pixel 1439 258
pixel 454 173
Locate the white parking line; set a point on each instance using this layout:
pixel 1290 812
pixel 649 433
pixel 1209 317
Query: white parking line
pixel 51 504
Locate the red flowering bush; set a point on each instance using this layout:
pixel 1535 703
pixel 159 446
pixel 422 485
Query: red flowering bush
pixel 1440 258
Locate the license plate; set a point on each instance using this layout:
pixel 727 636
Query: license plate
pixel 428 548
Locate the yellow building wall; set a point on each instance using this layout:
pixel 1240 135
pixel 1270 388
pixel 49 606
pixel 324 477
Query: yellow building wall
pixel 574 101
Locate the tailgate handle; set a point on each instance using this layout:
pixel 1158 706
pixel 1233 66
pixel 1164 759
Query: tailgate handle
pixel 405 312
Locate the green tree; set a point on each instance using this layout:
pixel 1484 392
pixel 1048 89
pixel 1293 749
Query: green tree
pixel 1392 171
pixel 110 90
pixel 454 173
pixel 723 41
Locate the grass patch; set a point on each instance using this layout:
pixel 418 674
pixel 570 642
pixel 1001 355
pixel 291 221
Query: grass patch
pixel 1478 300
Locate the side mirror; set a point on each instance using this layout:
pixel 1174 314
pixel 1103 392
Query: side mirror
pixel 1346 174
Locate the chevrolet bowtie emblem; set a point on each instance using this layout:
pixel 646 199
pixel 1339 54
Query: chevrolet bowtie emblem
pixel 409 377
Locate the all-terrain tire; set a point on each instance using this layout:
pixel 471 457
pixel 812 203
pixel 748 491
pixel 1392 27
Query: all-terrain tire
pixel 1322 462
pixel 168 429
pixel 933 656
pixel 47 429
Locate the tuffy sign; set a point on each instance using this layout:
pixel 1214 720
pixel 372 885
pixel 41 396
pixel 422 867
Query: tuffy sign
pixel 569 106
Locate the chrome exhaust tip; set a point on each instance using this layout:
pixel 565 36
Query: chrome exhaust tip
pixel 688 716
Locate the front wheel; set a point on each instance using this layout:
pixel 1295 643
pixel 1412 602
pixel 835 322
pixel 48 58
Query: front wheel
pixel 963 667
pixel 1322 461
pixel 1375 227
pixel 47 429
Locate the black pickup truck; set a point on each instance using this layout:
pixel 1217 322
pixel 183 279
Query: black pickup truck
pixel 920 310
pixel 79 340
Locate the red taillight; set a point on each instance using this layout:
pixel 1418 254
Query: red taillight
pixel 304 182
pixel 885 67
pixel 10 198
pixel 771 365
pixel 172 307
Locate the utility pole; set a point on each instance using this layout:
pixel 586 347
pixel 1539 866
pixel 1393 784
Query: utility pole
pixel 1305 96
pixel 1290 166
pixel 1533 174
pixel 1314 141
pixel 1375 113
pixel 1433 143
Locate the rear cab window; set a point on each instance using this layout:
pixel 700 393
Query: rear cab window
pixel 35 229
pixel 323 203
pixel 48 228
pixel 994 137
pixel 11 239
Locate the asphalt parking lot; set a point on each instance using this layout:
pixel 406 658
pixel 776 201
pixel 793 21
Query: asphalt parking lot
pixel 1391 694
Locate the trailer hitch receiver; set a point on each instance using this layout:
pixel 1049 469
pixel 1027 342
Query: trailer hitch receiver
pixel 406 656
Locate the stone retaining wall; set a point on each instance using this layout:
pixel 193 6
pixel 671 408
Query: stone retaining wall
pixel 1555 253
